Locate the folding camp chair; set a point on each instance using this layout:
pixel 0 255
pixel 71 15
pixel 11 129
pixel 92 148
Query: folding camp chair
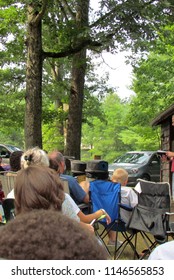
pixel 106 195
pixel 149 218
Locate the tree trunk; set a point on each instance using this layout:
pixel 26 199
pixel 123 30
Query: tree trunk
pixel 75 106
pixel 33 111
pixel 74 125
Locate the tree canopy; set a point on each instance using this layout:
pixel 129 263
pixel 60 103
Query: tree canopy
pixel 31 63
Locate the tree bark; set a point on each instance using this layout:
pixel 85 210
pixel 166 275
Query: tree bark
pixel 33 110
pixel 74 125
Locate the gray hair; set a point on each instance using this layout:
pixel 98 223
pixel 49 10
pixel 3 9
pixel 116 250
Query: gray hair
pixel 34 156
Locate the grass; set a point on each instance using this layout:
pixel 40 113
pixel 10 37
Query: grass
pixel 128 253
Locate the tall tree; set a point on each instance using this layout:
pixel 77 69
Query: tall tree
pixel 129 23
pixel 33 110
pixel 74 126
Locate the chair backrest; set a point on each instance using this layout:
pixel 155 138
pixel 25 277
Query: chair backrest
pixel 154 195
pixel 153 203
pixel 106 195
pixel 8 181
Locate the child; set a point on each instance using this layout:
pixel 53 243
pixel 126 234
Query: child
pixel 128 197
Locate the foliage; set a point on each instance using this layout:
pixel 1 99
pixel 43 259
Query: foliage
pixel 102 135
pixel 115 25
pixel 153 82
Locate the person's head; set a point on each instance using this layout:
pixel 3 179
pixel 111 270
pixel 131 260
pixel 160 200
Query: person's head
pixel 97 170
pixel 15 161
pixel 48 235
pixel 34 156
pixel 58 158
pixel 97 176
pixel 120 175
pixel 37 187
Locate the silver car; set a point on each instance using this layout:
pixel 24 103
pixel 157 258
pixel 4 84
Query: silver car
pixel 138 164
pixel 5 152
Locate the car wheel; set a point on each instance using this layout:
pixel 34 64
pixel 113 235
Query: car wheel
pixel 145 177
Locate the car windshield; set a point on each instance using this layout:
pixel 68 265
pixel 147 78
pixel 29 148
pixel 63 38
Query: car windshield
pixel 13 148
pixel 133 158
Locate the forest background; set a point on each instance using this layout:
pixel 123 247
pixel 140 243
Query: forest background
pixel 50 94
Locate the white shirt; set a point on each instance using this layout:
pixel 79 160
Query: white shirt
pixel 70 208
pixel 130 198
pixel 11 194
pixel 163 252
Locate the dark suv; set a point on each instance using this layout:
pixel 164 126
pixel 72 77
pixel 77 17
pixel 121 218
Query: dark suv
pixel 139 164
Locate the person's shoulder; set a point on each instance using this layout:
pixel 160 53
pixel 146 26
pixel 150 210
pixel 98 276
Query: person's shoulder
pixel 126 189
pixel 67 177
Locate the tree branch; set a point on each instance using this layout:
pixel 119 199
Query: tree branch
pixel 71 13
pixel 39 16
pixel 72 50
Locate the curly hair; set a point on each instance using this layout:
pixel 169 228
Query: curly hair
pixel 48 235
pixel 34 156
pixel 37 187
pixel 15 161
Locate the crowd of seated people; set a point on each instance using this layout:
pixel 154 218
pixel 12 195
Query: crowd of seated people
pixel 47 235
pixel 37 157
pixel 39 186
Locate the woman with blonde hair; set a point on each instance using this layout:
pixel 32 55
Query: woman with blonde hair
pixel 34 156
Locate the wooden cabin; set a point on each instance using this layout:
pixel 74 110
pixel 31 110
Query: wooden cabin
pixel 166 120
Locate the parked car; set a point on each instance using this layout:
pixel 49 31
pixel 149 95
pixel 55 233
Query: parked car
pixel 139 164
pixel 5 152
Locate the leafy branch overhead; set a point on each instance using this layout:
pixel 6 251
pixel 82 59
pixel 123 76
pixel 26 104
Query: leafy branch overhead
pixel 44 60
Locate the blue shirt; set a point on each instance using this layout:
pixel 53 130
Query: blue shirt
pixel 76 191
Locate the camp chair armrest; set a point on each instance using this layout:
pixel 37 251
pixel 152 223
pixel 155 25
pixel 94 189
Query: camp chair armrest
pixel 125 207
pixel 169 213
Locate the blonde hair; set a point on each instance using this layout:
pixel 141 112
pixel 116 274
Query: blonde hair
pixel 34 156
pixel 120 175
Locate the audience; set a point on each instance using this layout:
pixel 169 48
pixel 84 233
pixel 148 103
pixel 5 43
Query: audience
pixel 15 166
pixel 37 187
pixel 15 161
pixel 48 235
pixel 83 218
pixel 34 156
pixel 27 191
pixel 76 191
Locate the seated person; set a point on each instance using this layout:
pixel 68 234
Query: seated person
pixel 48 235
pixel 15 166
pixel 128 195
pixel 70 207
pixel 78 170
pixel 76 191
